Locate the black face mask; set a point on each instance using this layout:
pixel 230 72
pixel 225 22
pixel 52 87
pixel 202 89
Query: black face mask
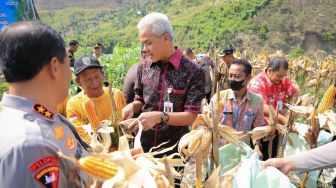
pixel 236 85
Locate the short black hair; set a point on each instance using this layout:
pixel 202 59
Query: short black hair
pixel 73 42
pixel 245 63
pixel 26 47
pixel 277 62
pixel 188 51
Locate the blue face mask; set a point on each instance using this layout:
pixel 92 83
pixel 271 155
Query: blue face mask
pixel 236 85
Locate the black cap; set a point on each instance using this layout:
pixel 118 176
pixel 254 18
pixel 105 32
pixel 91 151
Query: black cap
pixel 97 45
pixel 73 42
pixel 227 50
pixel 85 62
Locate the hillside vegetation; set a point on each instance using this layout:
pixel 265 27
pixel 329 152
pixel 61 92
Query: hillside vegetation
pixel 289 25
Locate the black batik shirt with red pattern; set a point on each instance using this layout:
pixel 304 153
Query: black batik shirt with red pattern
pixel 153 80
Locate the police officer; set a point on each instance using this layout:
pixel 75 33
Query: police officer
pixel 223 64
pixel 35 63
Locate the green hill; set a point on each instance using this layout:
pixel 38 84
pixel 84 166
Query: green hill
pixel 289 25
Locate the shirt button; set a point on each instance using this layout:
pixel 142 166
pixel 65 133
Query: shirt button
pixel 29 117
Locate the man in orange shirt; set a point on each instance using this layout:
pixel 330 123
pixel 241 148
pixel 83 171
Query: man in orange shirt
pixel 90 77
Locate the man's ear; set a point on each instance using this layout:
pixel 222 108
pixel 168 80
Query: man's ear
pixel 269 70
pixel 249 77
pixel 166 37
pixel 54 67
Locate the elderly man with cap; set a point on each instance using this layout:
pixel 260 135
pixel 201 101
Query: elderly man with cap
pixel 90 77
pixel 223 65
pixel 35 63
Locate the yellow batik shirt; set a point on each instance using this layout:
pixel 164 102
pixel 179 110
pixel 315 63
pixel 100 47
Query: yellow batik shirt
pixel 77 111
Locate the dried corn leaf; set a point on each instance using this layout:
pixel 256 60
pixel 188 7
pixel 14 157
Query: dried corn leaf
pixel 300 109
pixel 230 134
pixel 191 142
pixel 127 122
pixel 304 100
pixel 281 128
pixel 312 83
pixel 214 178
pixel 161 181
pixel 327 120
pixel 260 132
pixel 289 141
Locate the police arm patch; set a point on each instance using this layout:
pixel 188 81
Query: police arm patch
pixel 48 177
pixel 46 171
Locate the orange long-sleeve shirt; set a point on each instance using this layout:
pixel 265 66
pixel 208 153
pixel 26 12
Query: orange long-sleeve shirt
pixel 77 114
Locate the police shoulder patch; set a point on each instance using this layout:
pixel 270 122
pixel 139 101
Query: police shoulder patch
pixel 70 143
pixel 41 110
pixel 58 132
pixel 46 171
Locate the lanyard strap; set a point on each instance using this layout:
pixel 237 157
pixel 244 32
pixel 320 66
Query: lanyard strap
pixel 237 113
pixel 161 101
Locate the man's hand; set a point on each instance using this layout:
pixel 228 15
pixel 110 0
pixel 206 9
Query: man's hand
pixel 128 111
pixel 147 119
pixel 284 165
pixel 258 151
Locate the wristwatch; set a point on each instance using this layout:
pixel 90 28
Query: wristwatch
pixel 164 118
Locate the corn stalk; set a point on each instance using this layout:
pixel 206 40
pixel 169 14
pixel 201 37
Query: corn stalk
pixel 215 120
pixel 115 114
pixel 313 121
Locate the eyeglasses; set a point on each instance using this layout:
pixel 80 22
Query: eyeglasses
pixel 93 79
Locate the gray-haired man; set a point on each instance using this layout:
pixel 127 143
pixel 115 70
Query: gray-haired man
pixel 169 88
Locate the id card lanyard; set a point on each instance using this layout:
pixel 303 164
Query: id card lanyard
pixel 167 105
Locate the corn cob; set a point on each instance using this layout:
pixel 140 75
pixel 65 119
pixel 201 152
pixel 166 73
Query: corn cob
pixel 98 167
pixel 92 115
pixel 327 100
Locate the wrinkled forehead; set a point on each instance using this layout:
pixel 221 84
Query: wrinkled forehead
pixel 147 33
pixel 90 72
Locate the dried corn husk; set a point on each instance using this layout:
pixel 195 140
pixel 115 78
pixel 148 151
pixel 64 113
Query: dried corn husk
pixel 260 132
pixel 103 131
pixel 304 100
pixel 143 170
pixel 199 139
pixel 327 120
pixel 301 109
pixel 312 83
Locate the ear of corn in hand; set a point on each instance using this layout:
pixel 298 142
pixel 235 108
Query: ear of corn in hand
pixel 98 167
pixel 327 100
